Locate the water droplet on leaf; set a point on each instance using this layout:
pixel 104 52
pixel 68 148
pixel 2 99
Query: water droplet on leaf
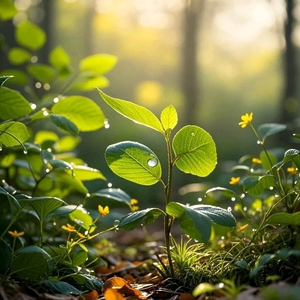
pixel 116 223
pixel 193 134
pixel 199 199
pixel 152 162
pixel 109 184
pixel 232 198
pixel 25 151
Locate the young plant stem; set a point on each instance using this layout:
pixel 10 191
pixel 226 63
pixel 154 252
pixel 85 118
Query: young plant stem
pixel 168 219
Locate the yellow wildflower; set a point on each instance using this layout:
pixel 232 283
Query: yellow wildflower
pixel 246 120
pixel 292 170
pixel 103 211
pixel 15 233
pixel 135 208
pixel 256 160
pixel 234 180
pixel 69 228
pixel 243 227
pixel 134 201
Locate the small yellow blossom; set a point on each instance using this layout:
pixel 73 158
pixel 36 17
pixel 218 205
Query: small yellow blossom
pixel 134 201
pixel 135 208
pixel 256 160
pixel 243 227
pixel 246 120
pixel 103 211
pixel 82 236
pixel 292 170
pixel 69 228
pixel 234 180
pixel 15 233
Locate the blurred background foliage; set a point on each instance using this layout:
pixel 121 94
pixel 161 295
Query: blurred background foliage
pixel 212 59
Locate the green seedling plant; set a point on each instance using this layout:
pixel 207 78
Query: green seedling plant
pixel 266 199
pixel 44 228
pixel 192 150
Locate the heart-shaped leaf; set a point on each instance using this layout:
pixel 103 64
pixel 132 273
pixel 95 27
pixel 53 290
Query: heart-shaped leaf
pixel 134 112
pixel 98 63
pixel 41 72
pixel 284 218
pixel 134 162
pixel 82 218
pixel 195 151
pixel 135 219
pixel 13 134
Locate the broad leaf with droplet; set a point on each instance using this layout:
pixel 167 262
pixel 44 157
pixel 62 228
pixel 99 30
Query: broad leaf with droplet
pixel 135 219
pixel 18 56
pixel 266 130
pixel 13 134
pixel 195 151
pixel 82 111
pixel 134 112
pixel 134 162
pixel 169 117
pixel 255 185
pixel 12 104
pixel 111 197
pixel 30 35
pixel 81 217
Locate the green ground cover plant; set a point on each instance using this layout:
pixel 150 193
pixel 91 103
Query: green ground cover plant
pixel 47 233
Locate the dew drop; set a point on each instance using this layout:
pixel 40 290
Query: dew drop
pixel 38 85
pixel 33 106
pixel 25 151
pixel 251 170
pixel 116 223
pixel 55 100
pixel 242 196
pixel 117 229
pixel 54 223
pixel 47 170
pixel 199 199
pixel 45 113
pixel 142 224
pixel 276 195
pixel 193 134
pixel 258 142
pixel 232 198
pixel 271 188
pixel 222 237
pixel 245 208
pixel 253 230
pixel 109 184
pixel 152 162
pixel 196 241
pixel 88 195
pixel 0 149
pixel 34 59
pixel 86 232
pixel 187 204
pixel 229 209
pixel 46 86
pixel 106 126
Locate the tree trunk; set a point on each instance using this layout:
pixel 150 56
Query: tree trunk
pixel 190 80
pixel 288 107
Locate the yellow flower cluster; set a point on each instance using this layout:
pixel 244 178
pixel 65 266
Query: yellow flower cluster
pixel 256 160
pixel 16 234
pixel 71 228
pixel 292 170
pixel 234 180
pixel 103 211
pixel 134 203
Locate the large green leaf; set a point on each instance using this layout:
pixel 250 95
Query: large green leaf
pixel 255 185
pixel 82 111
pixel 18 56
pixel 7 10
pixel 169 117
pixel 85 173
pixel 194 223
pixel 30 35
pixel 62 287
pixel 134 112
pixel 59 58
pixel 285 219
pixel 64 123
pixel 134 162
pixel 195 151
pixel 13 133
pixel 98 63
pixel 41 72
pixel 5 255
pixel 142 217
pixel 111 197
pixel 217 214
pixel 43 206
pixel 266 130
pixel 31 263
pixel 12 104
